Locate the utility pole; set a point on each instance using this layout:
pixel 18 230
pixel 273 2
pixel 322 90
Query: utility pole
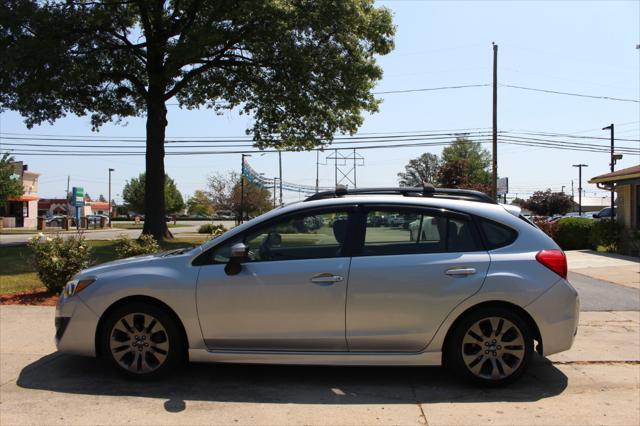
pixel 275 179
pixel 494 183
pixel 109 199
pixel 242 188
pixel 579 166
pixel 572 194
pixel 68 179
pixel 612 164
pixel 355 178
pixel 562 190
pixel 280 173
pixel 317 171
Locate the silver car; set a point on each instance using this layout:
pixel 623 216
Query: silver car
pixel 315 283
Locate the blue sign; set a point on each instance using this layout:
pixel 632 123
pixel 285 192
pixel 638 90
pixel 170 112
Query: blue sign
pixel 78 196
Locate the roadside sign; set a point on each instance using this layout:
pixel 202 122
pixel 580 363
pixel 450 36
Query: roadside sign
pixel 78 196
pixel 503 186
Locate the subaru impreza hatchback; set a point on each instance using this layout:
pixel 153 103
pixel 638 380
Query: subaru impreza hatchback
pixel 453 279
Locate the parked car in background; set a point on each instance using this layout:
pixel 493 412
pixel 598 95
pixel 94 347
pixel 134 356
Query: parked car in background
pixel 95 219
pixel 605 213
pixel 477 288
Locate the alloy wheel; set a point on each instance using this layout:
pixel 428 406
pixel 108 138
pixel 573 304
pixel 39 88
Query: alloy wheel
pixel 493 348
pixel 139 343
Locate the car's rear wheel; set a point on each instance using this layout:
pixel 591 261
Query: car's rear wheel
pixel 490 346
pixel 142 340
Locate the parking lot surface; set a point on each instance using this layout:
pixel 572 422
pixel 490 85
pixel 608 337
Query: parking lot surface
pixel 597 382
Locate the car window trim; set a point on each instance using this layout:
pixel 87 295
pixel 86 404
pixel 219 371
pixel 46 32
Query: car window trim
pixel 203 259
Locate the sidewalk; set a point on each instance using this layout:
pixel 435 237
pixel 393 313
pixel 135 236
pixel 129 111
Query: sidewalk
pixel 614 268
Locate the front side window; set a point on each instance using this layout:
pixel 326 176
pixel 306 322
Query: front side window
pixel 305 236
pixel 390 232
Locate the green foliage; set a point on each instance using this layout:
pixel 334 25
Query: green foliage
pixel 10 186
pixel 58 259
pixel 606 233
pixel 547 203
pixel 133 194
pixel 199 204
pixel 471 158
pixel 126 247
pixel 304 70
pixel 573 233
pixel 419 170
pixel 213 230
pixel 225 190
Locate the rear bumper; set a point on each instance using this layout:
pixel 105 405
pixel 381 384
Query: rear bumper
pixel 556 312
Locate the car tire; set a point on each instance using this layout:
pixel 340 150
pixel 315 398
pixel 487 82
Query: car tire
pixel 490 347
pixel 142 341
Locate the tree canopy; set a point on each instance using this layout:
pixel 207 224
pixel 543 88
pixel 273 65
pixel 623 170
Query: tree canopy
pixel 548 203
pixel 199 204
pixel 225 194
pixel 419 170
pixel 303 69
pixel 133 194
pixel 10 185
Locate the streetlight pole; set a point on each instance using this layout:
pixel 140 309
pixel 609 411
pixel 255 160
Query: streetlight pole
pixel 275 179
pixel 580 166
pixel 242 188
pixel 280 173
pixel 109 200
pixel 613 161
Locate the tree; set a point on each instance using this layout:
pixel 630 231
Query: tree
pixel 102 199
pixel 199 204
pixel 225 194
pixel 303 69
pixel 133 194
pixel 547 203
pixel 419 170
pixel 10 185
pixel 517 201
pixel 465 164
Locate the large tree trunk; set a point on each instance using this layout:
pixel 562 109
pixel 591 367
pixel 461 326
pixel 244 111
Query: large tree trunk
pixel 154 202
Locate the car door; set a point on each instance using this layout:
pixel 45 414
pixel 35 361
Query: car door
pixel 405 279
pixel 290 293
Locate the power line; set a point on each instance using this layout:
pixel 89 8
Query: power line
pixel 581 95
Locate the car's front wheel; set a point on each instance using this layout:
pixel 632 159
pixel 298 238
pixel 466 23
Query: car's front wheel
pixel 490 346
pixel 142 340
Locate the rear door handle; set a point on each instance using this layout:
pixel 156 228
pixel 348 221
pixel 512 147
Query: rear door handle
pixel 326 278
pixel 461 271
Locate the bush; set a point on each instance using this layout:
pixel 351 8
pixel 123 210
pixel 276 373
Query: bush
pixel 213 230
pixel 126 247
pixel 549 228
pixel 606 233
pixel 57 259
pixel 573 233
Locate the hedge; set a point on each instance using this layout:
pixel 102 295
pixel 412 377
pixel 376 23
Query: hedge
pixel 573 233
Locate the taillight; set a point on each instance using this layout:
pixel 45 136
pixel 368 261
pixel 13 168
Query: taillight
pixel 554 260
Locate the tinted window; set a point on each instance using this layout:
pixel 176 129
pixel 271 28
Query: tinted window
pixel 406 232
pixel 497 235
pixel 309 236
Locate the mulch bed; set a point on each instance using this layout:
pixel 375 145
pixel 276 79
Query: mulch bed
pixel 41 297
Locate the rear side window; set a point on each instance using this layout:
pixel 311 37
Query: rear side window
pixel 497 235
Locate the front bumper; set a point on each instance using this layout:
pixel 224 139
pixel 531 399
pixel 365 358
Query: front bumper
pixel 76 326
pixel 556 312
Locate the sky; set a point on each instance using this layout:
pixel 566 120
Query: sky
pixel 586 47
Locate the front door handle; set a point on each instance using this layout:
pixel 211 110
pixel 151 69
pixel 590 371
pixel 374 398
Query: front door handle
pixel 326 278
pixel 461 271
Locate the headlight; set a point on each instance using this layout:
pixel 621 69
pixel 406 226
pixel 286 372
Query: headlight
pixel 76 286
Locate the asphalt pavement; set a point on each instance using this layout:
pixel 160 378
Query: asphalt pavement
pixel 598 295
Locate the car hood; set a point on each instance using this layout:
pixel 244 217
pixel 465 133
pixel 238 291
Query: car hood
pixel 103 267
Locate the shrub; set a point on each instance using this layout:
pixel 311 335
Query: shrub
pixel 58 259
pixel 606 233
pixel 549 228
pixel 573 233
pixel 213 230
pixel 126 247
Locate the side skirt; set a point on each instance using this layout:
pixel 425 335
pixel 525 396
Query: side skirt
pixel 318 358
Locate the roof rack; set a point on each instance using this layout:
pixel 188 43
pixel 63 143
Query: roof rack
pixel 427 190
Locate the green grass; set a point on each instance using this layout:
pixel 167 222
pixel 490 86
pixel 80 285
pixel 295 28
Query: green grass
pixel 18 274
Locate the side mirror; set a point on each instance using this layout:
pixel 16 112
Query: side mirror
pixel 237 256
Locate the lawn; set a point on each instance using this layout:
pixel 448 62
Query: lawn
pixel 18 274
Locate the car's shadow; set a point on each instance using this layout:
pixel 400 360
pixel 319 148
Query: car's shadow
pixel 285 384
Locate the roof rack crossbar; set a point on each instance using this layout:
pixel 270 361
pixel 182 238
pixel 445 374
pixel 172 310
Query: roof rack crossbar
pixel 425 191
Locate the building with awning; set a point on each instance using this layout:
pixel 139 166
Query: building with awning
pixel 626 184
pixel 22 211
